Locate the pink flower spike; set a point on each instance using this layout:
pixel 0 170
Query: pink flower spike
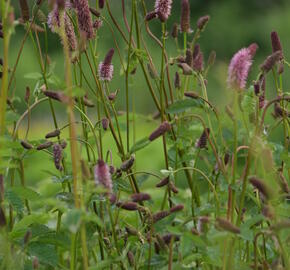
pixel 106 68
pixel 163 9
pixel 240 66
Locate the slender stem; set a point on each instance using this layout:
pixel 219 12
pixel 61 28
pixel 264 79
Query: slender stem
pixel 73 142
pixel 127 77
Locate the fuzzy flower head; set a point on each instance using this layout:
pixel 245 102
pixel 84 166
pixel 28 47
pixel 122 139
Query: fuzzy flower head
pixel 54 22
pixel 102 175
pixel 106 68
pixel 84 18
pixel 163 9
pixel 240 66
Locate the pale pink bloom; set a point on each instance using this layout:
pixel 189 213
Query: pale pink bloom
pixel 102 175
pixel 163 9
pixel 240 66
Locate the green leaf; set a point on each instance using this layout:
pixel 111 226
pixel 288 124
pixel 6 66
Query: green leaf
pixel 73 220
pixel 139 145
pixel 28 220
pixel 45 253
pixel 14 200
pixel 33 76
pixel 26 193
pixel 184 105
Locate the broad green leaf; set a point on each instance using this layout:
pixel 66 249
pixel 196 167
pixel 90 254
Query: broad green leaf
pixel 28 220
pixel 26 193
pixel 45 253
pixel 14 200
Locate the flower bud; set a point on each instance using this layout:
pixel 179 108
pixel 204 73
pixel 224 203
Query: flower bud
pixel 105 123
pixel 160 215
pixel 185 16
pixel 202 22
pixel 95 12
pixel 163 182
pixel 276 43
pixel 177 208
pixel 127 164
pixel 201 143
pixel 172 187
pixel 26 145
pixel 177 83
pixel 44 145
pixel 186 69
pixel 130 206
pixel 53 134
pixel 174 31
pixel 227 226
pixel 150 16
pixel 270 61
pixel 24 8
pixel 260 186
pixel 57 156
pixel 161 130
pixel 56 95
pixel 191 95
pixel 140 197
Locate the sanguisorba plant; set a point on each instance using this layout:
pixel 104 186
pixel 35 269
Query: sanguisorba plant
pixel 221 199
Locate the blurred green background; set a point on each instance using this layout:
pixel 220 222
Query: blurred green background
pixel 234 24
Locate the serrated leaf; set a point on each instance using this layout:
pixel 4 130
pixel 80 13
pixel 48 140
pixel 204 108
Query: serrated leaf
pixel 14 200
pixel 184 105
pixel 45 253
pixel 28 220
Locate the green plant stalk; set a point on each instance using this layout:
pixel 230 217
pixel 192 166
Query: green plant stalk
pixel 162 104
pixel 233 197
pixel 73 255
pixel 184 42
pixel 4 82
pixel 116 119
pixel 4 86
pixel 81 105
pixel 114 232
pixel 127 77
pixel 73 140
pixel 285 123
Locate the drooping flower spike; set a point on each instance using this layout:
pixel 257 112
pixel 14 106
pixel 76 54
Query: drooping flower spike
pixel 240 66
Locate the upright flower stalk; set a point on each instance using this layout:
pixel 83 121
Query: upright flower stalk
pixel 75 158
